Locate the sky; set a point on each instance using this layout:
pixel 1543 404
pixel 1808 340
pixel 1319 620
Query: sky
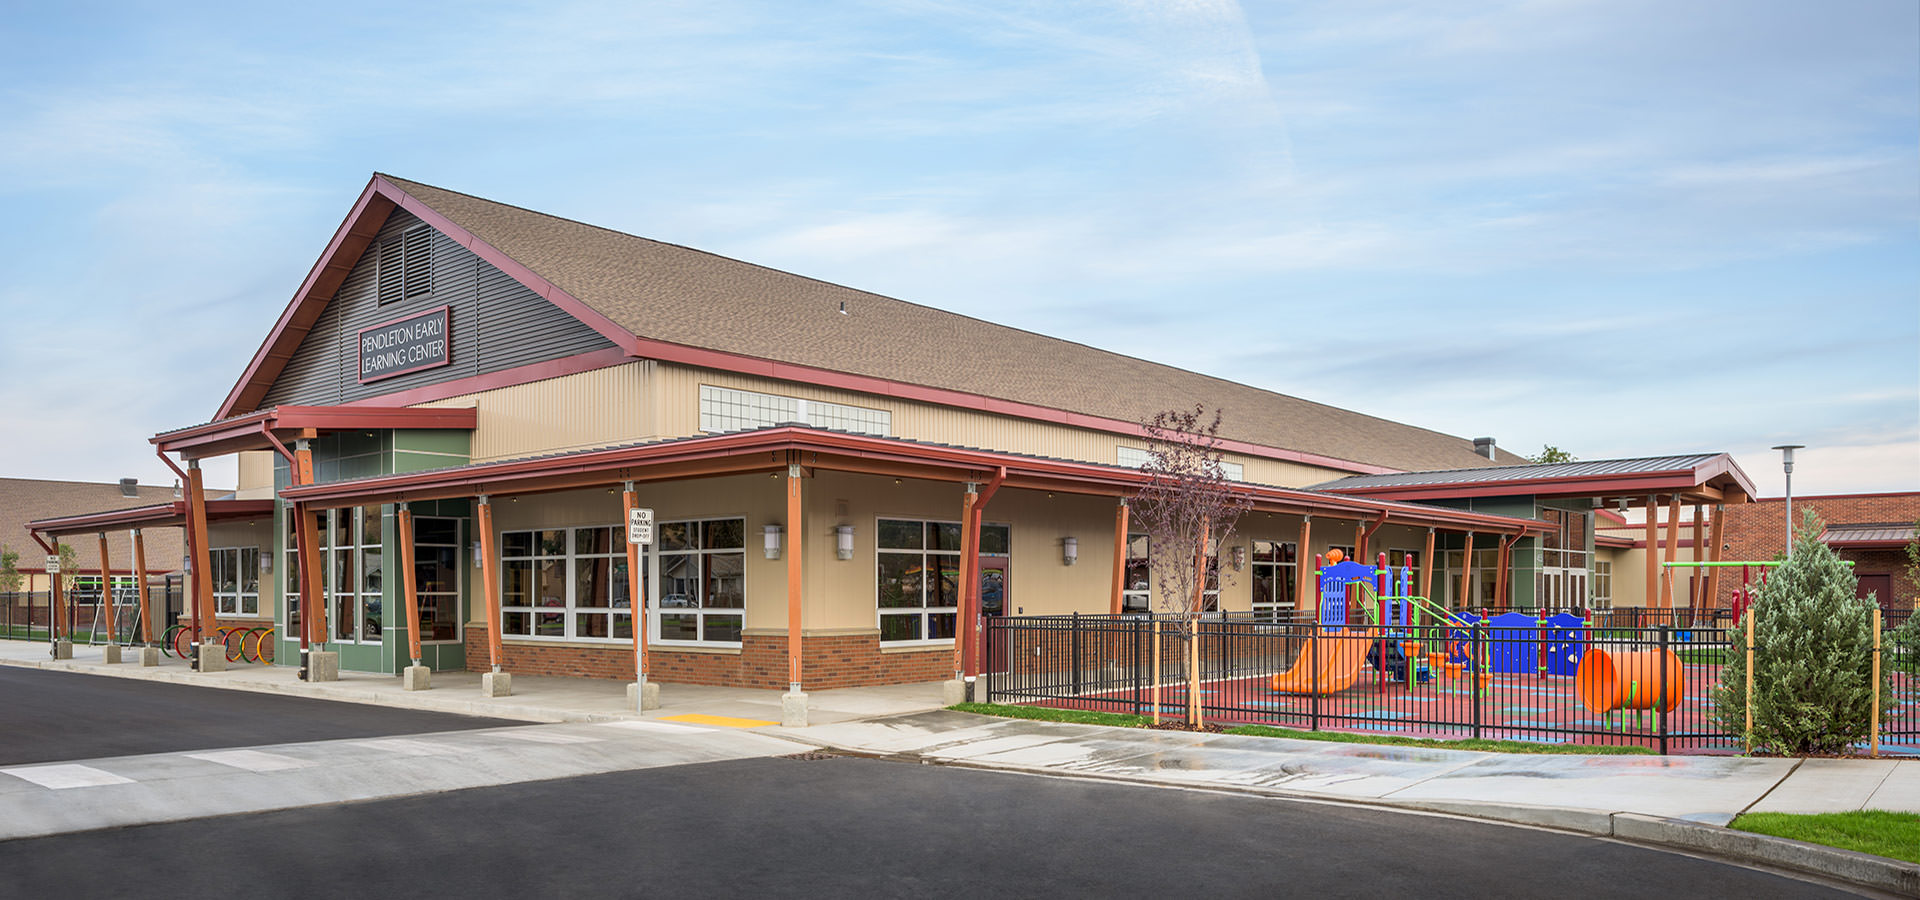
pixel 1620 228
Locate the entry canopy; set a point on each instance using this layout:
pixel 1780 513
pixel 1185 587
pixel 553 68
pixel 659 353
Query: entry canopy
pixel 774 448
pixel 158 515
pixel 1695 478
pixel 269 429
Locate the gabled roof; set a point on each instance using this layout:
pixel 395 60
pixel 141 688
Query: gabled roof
pixel 673 303
pixel 1699 476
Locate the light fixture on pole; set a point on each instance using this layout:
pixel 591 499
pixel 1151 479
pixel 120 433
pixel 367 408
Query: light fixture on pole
pixel 1786 461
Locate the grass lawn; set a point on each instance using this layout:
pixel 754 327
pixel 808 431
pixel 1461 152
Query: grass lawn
pixel 1890 834
pixel 1089 717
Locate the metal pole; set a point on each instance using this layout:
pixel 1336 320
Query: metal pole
pixel 1660 701
pixel 1786 462
pixel 1476 669
pixel 1076 653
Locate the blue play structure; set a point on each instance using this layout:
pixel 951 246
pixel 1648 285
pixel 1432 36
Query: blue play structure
pixel 1515 642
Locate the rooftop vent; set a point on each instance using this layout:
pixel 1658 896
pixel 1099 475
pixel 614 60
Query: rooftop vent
pixel 129 487
pixel 1483 446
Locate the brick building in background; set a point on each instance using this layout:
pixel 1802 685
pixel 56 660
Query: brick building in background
pixel 1872 530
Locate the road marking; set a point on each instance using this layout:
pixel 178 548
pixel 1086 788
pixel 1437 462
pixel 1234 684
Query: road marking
pixel 722 721
pixel 68 775
pixel 252 760
pixel 407 747
pixel 547 737
pixel 649 725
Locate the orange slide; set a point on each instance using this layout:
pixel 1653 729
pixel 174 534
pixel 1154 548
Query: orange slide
pixel 1339 657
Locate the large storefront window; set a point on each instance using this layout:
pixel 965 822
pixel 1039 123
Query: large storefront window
pixel 571 583
pixel 355 572
pixel 1274 581
pixel 919 577
pixel 236 580
pixel 436 577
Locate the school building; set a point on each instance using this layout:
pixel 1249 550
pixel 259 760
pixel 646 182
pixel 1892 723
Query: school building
pixel 840 483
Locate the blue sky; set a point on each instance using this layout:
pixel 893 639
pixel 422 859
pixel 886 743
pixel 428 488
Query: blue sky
pixel 1621 228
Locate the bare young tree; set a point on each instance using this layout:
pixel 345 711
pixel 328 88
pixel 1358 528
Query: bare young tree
pixel 1187 508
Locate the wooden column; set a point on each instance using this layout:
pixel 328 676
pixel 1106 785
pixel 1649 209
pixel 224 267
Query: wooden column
pixel 206 626
pixel 56 601
pixel 140 587
pixel 962 632
pixel 1694 581
pixel 1673 547
pixel 1426 568
pixel 637 592
pixel 1713 555
pixel 490 580
pixel 1466 574
pixel 106 593
pixel 310 604
pixel 1360 541
pixel 1652 600
pixel 1304 597
pixel 409 587
pixel 312 581
pixel 1116 602
pixel 793 578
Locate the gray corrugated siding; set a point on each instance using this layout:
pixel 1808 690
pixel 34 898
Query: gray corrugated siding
pixel 495 323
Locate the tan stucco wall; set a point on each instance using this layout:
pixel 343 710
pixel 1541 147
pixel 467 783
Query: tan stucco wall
pixel 257 534
pixel 256 475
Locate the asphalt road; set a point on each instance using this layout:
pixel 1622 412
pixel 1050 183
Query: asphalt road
pixel 55 716
pixel 847 827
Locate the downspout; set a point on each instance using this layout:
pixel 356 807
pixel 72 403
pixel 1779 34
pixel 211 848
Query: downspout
pixel 1366 536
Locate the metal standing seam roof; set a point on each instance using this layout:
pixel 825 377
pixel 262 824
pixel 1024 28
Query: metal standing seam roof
pixel 1536 472
pixel 677 295
pixel 1893 534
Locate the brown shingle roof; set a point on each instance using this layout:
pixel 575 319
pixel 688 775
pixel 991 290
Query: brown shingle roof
pixel 684 296
pixel 24 500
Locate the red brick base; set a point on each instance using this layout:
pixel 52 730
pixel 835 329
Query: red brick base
pixel 827 661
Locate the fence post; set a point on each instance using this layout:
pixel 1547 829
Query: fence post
pixel 1478 669
pixel 1076 654
pixel 1313 669
pixel 1139 656
pixel 986 667
pixel 1660 699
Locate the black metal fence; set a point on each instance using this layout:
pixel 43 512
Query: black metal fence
pixel 26 615
pixel 1612 684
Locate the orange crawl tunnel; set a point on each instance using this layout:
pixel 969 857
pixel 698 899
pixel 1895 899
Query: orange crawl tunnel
pixel 1611 679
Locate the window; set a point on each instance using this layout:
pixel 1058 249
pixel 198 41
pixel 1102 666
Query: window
pixel 1136 594
pixel 1346 552
pixel 236 580
pixel 726 409
pixel 290 570
pixel 572 583
pixel 1275 569
pixel 354 571
pixel 1602 584
pixel 703 566
pixel 1136 458
pixel 436 577
pixel 406 264
pixel 919 579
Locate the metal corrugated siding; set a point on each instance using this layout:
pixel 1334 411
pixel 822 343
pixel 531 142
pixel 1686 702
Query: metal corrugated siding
pixel 600 408
pixel 495 322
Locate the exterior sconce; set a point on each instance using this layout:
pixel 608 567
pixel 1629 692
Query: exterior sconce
pixel 1239 558
pixel 772 533
pixel 1069 550
pixel 266 562
pixel 843 541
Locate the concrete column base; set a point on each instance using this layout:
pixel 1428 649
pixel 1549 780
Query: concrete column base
pixel 323 665
pixel 496 684
pixel 63 649
pixel 953 691
pixel 979 686
pixel 643 700
pixel 110 654
pixel 793 710
pixel 416 678
pixel 213 657
pixel 149 656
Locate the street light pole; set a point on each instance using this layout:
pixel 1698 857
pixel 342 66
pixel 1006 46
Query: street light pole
pixel 1786 460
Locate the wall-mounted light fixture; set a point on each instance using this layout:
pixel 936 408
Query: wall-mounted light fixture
pixel 266 562
pixel 1069 550
pixel 772 533
pixel 1239 558
pixel 843 541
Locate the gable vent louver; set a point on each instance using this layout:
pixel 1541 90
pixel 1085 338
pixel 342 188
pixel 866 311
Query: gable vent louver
pixel 406 265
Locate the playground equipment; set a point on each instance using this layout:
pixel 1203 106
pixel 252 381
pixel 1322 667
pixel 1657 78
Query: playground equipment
pixel 1337 651
pixel 1610 679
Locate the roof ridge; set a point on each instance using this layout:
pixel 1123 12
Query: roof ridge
pixel 922 306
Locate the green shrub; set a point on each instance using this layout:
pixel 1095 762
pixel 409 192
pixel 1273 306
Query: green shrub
pixel 1813 657
pixel 1901 647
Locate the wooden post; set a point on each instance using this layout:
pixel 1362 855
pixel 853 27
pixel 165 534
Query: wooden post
pixel 1748 736
pixel 1116 601
pixel 1652 598
pixel 490 580
pixel 1304 597
pixel 1466 575
pixel 1874 744
pixel 1694 581
pixel 1360 541
pixel 140 586
pixel 1426 568
pixel 1716 535
pixel 961 632
pixel 409 586
pixel 310 604
pixel 1673 548
pixel 1193 625
pixel 312 581
pixel 106 594
pixel 637 593
pixel 209 626
pixel 793 579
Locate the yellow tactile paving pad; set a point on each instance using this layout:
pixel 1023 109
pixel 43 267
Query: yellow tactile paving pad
pixel 721 721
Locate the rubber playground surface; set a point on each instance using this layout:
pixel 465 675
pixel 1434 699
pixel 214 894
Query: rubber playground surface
pixel 1515 707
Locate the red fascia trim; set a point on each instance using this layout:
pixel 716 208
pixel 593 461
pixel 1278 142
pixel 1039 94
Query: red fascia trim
pixel 1661 482
pixel 348 418
pixel 159 515
pixel 474 384
pixel 1840 496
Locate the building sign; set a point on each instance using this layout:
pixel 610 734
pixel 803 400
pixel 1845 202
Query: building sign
pixel 404 345
pixel 640 526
